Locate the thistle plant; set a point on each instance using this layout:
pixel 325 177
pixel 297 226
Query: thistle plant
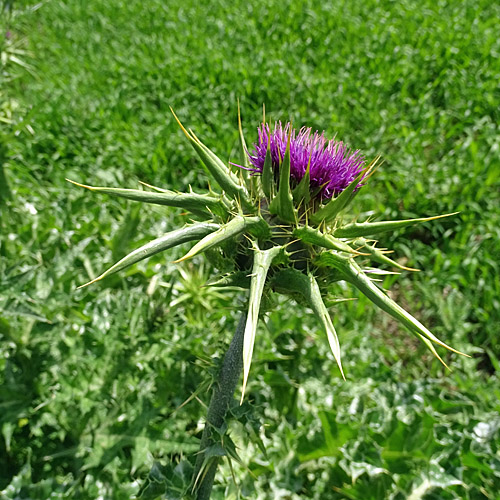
pixel 277 224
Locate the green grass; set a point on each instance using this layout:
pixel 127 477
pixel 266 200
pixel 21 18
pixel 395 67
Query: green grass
pixel 90 378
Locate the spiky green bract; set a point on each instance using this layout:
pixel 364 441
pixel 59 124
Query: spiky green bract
pixel 169 240
pixel 356 230
pixel 267 180
pixel 282 204
pixel 368 172
pixel 246 161
pixel 302 193
pixel 238 279
pixel 226 179
pixel 328 212
pixel 236 226
pixel 293 282
pixel 315 237
pixel 196 203
pixel 352 273
pixel 379 255
pixel 262 260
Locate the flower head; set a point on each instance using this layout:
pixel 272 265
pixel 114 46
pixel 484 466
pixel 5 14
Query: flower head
pixel 332 165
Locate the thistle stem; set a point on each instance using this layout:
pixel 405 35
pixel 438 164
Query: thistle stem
pixel 219 404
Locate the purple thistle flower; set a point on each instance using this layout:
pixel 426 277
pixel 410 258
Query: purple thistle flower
pixel 333 165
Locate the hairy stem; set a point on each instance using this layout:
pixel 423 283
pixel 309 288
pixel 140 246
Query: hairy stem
pixel 219 404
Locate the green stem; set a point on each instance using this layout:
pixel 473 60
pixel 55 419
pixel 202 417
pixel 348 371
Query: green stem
pixel 219 405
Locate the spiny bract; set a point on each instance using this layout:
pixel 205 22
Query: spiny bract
pixel 275 226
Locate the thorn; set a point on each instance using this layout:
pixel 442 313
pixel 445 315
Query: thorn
pixel 408 268
pixel 441 216
pixel 89 283
pixel 182 259
pixel 239 114
pixel 152 187
pixel 372 168
pixel 80 185
pixel 357 252
pixel 179 122
pixel 441 359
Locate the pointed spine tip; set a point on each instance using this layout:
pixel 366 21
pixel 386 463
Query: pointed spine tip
pixel 182 259
pixel 79 184
pixel 372 168
pixel 442 362
pixel 180 124
pixel 150 186
pixel 243 393
pixel 441 216
pixel 409 269
pixel 446 346
pixel 194 138
pixel 89 283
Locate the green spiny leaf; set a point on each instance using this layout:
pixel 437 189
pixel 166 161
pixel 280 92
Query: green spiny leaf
pixel 267 178
pixel 379 255
pixel 321 312
pixel 169 240
pixel 302 192
pixel 431 348
pixel 261 230
pixel 282 204
pixel 293 281
pixel 227 179
pixel 246 161
pixel 239 279
pixel 369 171
pixel 229 231
pixel 354 275
pixel 329 211
pixel 192 202
pixel 250 180
pixel 262 262
pixel 378 272
pixel 316 237
pixel 356 230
